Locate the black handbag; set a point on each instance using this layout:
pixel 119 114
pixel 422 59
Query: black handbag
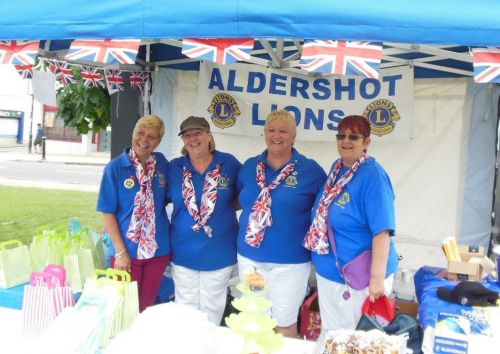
pixel 401 324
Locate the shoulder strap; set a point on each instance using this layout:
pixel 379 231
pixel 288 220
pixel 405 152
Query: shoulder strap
pixel 331 238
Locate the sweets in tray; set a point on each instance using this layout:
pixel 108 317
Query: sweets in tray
pixel 360 342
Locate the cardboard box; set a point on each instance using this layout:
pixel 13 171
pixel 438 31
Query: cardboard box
pixel 407 307
pixel 469 268
pixel 467 252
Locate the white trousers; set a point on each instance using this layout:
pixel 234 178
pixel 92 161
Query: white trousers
pixel 286 286
pixel 204 290
pixel 338 313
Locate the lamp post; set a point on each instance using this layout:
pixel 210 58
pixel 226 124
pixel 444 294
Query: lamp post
pixel 30 140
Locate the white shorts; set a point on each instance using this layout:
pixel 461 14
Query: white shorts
pixel 286 286
pixel 204 290
pixel 337 312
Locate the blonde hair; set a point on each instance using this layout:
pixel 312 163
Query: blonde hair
pixel 211 145
pixel 282 115
pixel 150 121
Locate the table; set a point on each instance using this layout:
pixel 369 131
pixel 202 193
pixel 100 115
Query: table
pixel 13 342
pixel 485 333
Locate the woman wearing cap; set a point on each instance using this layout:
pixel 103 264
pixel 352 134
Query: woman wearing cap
pixel 358 203
pixel 132 198
pixel 277 191
pixel 202 189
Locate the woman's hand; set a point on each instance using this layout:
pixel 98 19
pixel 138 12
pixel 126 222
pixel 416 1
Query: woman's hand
pixel 376 288
pixel 122 258
pixel 123 262
pixel 380 254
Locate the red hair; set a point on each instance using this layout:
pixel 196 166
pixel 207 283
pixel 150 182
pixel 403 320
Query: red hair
pixel 357 124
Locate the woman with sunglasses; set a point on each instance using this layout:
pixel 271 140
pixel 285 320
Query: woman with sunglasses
pixel 277 191
pixel 353 214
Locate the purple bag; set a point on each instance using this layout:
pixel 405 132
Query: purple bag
pixel 356 273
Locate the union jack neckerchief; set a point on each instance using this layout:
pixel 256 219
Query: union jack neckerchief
pixel 316 238
pixel 142 229
pixel 208 198
pixel 260 216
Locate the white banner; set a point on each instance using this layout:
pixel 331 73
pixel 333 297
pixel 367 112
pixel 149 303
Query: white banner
pixel 238 98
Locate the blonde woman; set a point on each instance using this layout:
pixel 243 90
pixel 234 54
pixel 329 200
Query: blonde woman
pixel 132 198
pixel 277 192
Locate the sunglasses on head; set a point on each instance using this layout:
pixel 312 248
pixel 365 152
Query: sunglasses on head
pixel 352 137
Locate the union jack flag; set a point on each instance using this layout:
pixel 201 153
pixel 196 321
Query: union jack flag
pixel 62 71
pixel 486 63
pixel 92 77
pixel 114 80
pixel 138 80
pixel 18 52
pixel 219 50
pixel 104 51
pixel 26 71
pixel 342 57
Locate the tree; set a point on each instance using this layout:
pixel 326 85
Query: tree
pixel 83 108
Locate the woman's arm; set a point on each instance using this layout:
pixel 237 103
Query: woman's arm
pixel 380 254
pixel 122 258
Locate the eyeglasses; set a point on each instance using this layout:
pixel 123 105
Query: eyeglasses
pixel 352 137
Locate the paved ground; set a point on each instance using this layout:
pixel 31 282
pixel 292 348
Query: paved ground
pixel 19 153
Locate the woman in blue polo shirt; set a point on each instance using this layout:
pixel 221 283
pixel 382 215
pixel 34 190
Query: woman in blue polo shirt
pixel 202 189
pixel 358 203
pixel 132 198
pixel 277 192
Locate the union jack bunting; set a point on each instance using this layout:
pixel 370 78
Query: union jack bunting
pixel 18 52
pixel 486 63
pixel 104 51
pixel 138 80
pixel 342 57
pixel 92 77
pixel 208 198
pixel 62 71
pixel 219 50
pixel 114 80
pixel 26 71
pixel 260 216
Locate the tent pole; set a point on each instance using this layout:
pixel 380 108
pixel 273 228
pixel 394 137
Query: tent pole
pixel 145 98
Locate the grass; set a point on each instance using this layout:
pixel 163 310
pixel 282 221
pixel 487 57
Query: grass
pixel 22 210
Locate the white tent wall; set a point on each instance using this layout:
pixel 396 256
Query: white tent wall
pixel 428 172
pixel 481 161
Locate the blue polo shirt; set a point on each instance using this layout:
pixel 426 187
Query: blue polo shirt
pixel 291 206
pixel 116 196
pixel 364 208
pixel 194 249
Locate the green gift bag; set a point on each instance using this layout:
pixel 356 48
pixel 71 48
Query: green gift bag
pixel 130 297
pixel 15 266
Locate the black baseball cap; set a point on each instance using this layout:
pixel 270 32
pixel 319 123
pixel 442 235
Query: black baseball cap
pixel 469 293
pixel 193 122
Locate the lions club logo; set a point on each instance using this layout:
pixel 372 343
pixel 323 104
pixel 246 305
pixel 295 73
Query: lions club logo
pixel 223 110
pixel 343 200
pixel 223 182
pixel 382 115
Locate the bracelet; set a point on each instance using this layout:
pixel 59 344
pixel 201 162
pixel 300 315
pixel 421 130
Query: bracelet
pixel 120 254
